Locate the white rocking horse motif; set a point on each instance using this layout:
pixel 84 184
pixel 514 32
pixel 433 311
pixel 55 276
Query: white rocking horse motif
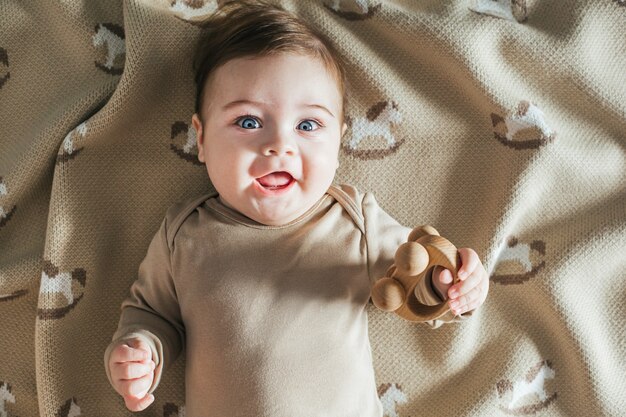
pixel 519 253
pixel 390 395
pixel 69 409
pixel 5 396
pixel 69 151
pixel 352 9
pixel 361 4
pixel 190 9
pixel 379 120
pixel 526 129
pixel 113 36
pixel 528 394
pixel 55 283
pixel 4 214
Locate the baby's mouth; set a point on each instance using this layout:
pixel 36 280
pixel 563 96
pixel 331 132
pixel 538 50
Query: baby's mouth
pixel 276 180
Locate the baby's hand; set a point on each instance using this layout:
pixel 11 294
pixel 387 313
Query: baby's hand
pixel 132 372
pixel 471 291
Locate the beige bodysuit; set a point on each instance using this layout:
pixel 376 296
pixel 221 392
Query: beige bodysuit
pixel 272 318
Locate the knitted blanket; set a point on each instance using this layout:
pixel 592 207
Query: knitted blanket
pixel 502 123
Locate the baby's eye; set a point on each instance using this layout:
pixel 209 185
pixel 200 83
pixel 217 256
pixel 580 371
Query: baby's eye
pixel 308 125
pixel 248 122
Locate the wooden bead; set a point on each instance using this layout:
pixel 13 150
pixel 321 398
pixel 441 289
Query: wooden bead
pixel 388 294
pixel 420 231
pixel 411 259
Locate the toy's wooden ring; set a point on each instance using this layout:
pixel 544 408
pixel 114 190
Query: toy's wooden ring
pixel 440 252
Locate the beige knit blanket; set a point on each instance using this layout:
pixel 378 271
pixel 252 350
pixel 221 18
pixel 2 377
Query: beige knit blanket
pixel 501 123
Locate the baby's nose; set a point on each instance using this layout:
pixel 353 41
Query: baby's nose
pixel 278 145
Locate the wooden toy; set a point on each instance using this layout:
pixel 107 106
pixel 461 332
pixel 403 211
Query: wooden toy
pixel 413 260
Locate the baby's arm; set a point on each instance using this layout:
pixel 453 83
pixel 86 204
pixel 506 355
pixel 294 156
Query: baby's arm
pixel 131 371
pixel 151 323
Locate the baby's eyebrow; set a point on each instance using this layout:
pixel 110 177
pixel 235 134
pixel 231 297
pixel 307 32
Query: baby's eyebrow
pixel 319 106
pixel 240 102
pixel 260 104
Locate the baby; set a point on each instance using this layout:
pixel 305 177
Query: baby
pixel 265 283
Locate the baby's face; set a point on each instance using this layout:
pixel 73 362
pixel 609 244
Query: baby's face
pixel 270 134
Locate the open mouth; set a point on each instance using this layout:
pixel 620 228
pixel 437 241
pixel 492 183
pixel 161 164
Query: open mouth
pixel 275 181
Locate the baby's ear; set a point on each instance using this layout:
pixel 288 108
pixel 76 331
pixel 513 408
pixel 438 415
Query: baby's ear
pixel 343 129
pixel 197 125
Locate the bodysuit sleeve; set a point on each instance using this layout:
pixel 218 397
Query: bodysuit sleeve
pixel 151 312
pixel 383 235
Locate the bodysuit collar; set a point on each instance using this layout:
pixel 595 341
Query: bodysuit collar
pixel 216 204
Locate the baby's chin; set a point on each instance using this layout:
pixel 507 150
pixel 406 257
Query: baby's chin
pixel 280 211
pixel 277 210
pixel 277 216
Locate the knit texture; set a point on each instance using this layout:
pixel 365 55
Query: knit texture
pixel 502 124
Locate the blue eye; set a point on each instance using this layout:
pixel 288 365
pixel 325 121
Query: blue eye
pixel 248 122
pixel 308 125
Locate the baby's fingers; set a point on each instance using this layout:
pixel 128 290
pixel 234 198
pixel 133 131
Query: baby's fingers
pixel 131 370
pixel 137 387
pixel 469 262
pixel 464 287
pixel 466 302
pixel 125 353
pixel 445 276
pixel 138 404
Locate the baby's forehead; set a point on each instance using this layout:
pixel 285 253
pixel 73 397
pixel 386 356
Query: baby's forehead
pixel 282 78
pixel 235 68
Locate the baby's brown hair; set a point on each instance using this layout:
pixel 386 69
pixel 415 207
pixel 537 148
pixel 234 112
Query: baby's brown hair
pixel 246 28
